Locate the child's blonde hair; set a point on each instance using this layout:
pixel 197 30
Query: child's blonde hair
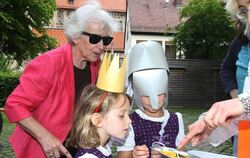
pixel 83 132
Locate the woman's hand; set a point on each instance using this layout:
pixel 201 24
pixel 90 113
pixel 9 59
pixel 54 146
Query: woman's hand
pixel 198 131
pixel 222 112
pixel 218 115
pixel 52 147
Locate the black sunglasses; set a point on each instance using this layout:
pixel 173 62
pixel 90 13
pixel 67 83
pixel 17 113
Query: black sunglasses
pixel 94 39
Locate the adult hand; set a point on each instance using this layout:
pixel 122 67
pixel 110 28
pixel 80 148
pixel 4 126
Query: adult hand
pixel 52 147
pixel 222 112
pixel 218 115
pixel 234 93
pixel 140 151
pixel 198 131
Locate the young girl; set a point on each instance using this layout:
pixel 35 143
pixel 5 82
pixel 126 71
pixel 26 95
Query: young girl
pixel 102 112
pixel 152 123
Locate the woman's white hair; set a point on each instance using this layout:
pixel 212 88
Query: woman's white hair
pixel 232 7
pixel 91 12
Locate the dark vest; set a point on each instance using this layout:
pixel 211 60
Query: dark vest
pixel 147 132
pixel 93 151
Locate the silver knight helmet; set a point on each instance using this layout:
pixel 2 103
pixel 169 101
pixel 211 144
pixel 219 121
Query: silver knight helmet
pixel 148 72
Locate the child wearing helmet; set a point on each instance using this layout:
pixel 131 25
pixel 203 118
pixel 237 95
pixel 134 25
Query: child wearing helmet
pixel 148 75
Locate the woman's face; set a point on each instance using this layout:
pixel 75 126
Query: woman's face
pixel 244 10
pixel 86 50
pixel 244 15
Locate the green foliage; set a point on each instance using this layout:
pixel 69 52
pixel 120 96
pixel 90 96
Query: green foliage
pixel 206 30
pixel 4 62
pixel 8 82
pixel 22 24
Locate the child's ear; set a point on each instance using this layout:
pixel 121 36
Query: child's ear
pixel 96 119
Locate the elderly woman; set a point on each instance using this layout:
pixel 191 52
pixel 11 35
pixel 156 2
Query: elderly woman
pixel 235 64
pixel 43 103
pixel 234 72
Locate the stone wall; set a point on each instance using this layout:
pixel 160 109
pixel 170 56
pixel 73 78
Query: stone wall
pixel 194 82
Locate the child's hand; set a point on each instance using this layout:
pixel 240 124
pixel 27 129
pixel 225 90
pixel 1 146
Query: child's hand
pixel 140 151
pixel 155 154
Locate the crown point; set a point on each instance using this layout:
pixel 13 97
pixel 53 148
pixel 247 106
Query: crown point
pixel 111 76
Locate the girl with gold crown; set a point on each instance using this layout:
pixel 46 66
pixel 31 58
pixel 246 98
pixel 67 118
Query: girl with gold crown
pixel 102 112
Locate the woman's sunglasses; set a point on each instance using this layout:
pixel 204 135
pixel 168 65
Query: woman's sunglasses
pixel 94 39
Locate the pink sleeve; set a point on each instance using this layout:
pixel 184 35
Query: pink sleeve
pixel 33 88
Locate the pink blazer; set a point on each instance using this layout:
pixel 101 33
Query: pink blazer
pixel 46 92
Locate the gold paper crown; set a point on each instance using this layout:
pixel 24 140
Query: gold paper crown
pixel 111 77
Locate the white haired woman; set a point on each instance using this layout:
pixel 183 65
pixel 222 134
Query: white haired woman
pixel 235 65
pixel 234 72
pixel 43 103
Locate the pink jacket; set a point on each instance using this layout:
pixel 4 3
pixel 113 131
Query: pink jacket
pixel 46 92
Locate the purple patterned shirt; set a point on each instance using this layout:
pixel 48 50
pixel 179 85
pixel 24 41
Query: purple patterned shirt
pixel 93 151
pixel 147 132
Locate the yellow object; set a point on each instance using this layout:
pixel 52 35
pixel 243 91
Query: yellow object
pixel 172 154
pixel 111 76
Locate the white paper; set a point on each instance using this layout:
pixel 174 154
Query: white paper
pixel 203 154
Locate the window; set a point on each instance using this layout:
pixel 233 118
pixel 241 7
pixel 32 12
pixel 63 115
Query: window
pixel 138 41
pixel 71 1
pixel 169 50
pixel 178 2
pixel 68 12
pixel 60 19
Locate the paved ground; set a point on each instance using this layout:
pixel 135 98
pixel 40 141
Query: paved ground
pixel 190 116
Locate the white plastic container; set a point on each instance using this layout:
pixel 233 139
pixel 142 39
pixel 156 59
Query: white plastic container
pixel 223 133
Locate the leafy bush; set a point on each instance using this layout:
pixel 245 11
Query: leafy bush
pixel 4 62
pixel 205 31
pixel 16 20
pixel 8 81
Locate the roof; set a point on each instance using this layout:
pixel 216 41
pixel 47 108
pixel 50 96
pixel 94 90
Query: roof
pixel 109 5
pixel 117 43
pixel 58 34
pixel 153 16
